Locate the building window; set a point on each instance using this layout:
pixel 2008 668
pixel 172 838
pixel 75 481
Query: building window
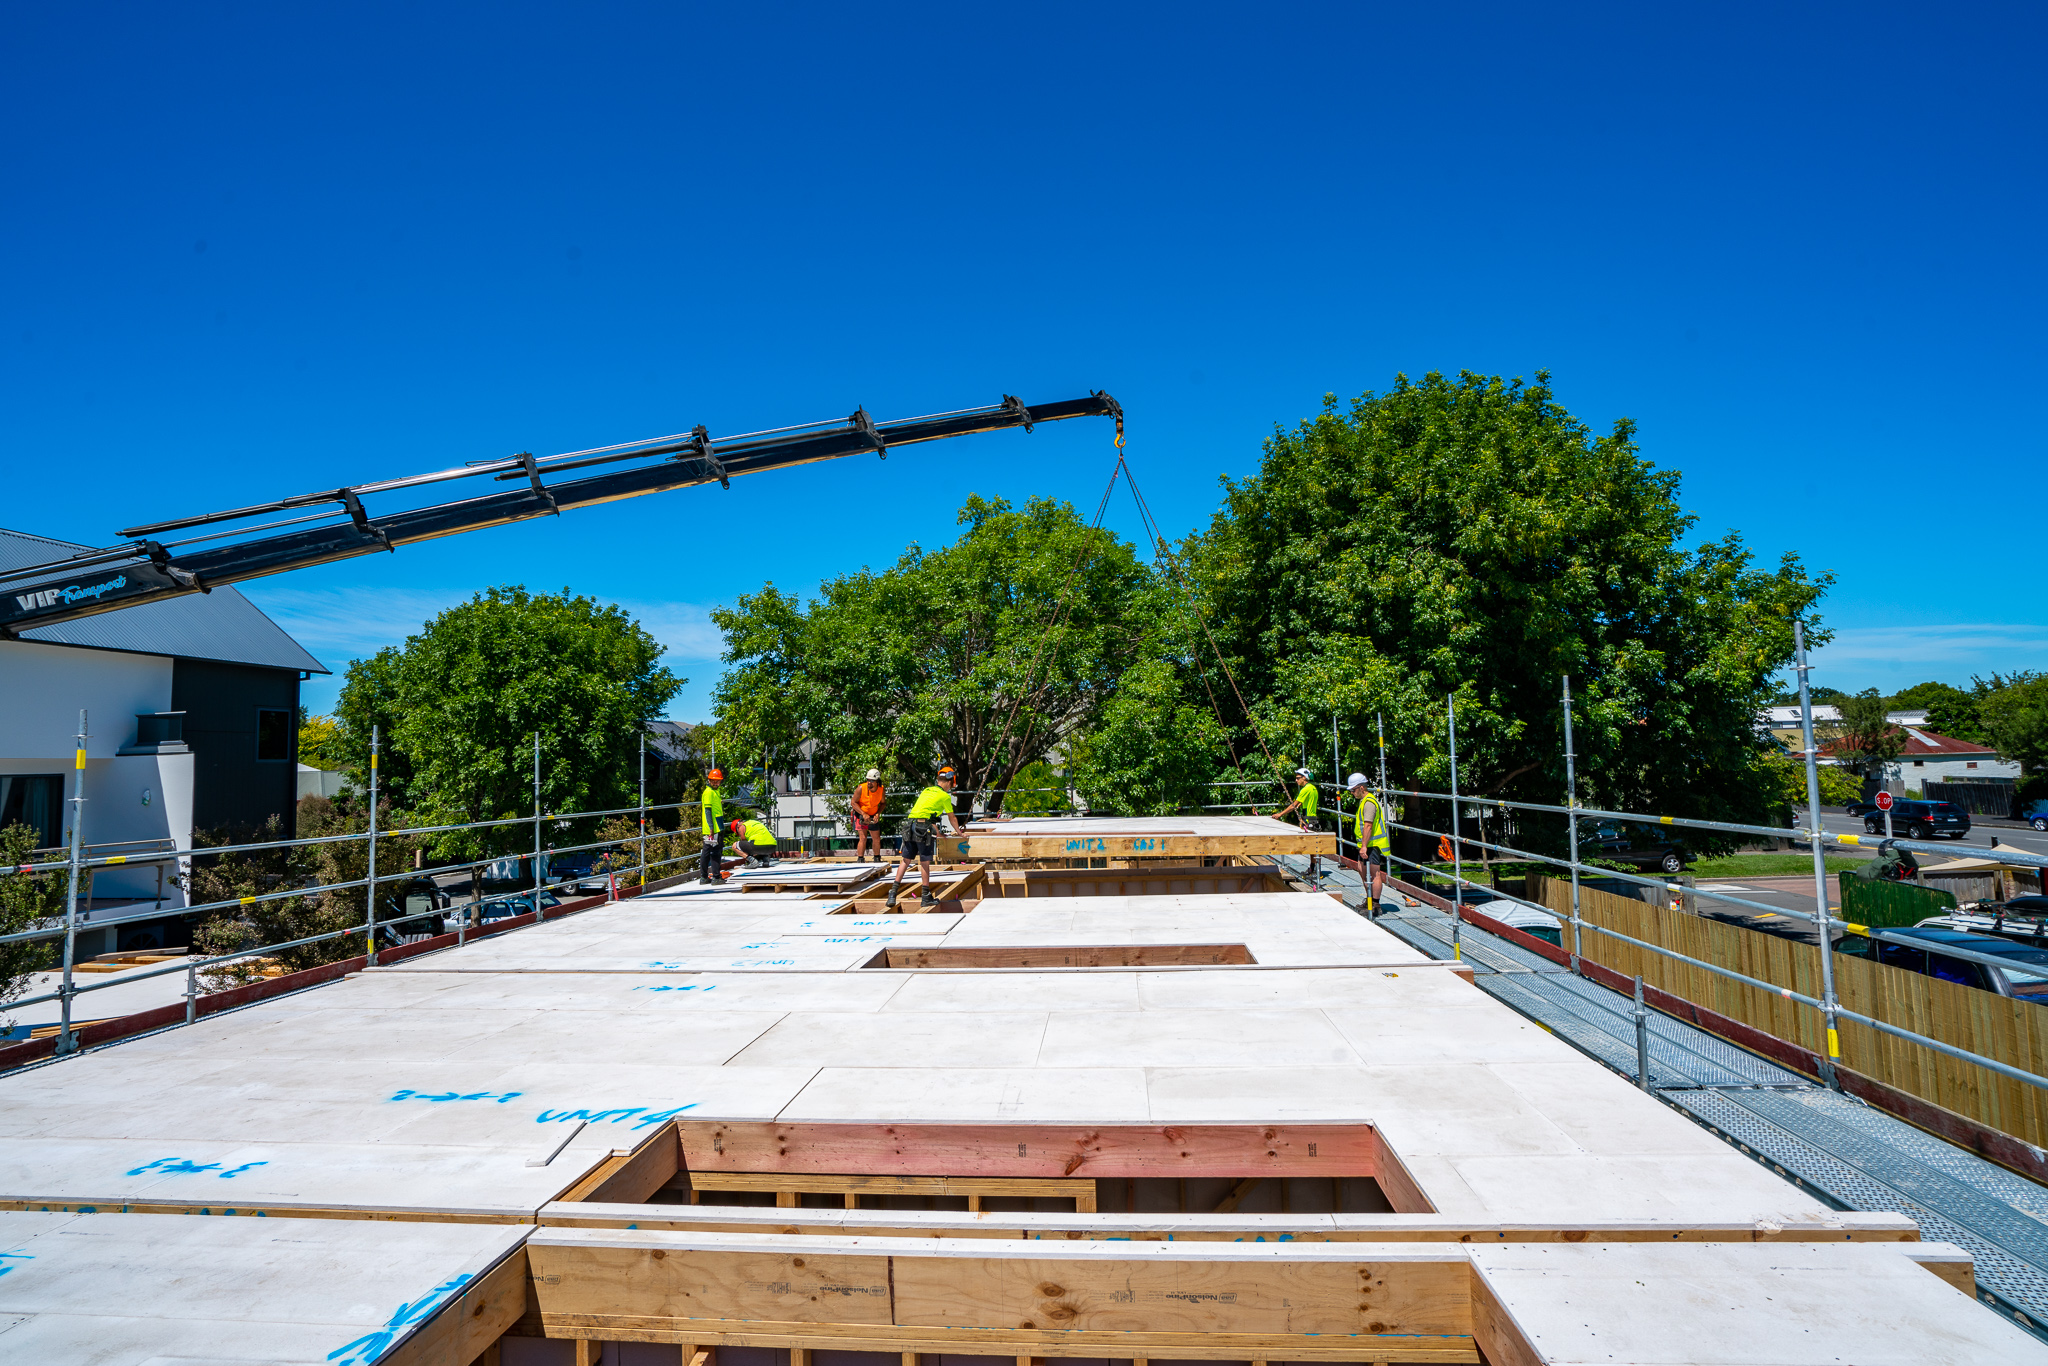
pixel 273 736
pixel 1919 763
pixel 35 800
pixel 1971 764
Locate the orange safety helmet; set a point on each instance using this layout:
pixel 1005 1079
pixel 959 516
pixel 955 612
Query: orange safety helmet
pixel 716 775
pixel 737 827
pixel 946 774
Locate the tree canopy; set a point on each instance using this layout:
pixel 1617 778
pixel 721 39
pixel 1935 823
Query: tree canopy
pixel 978 655
pixel 460 702
pixel 1469 536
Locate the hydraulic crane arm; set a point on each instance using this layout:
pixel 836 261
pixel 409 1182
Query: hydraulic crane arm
pixel 145 570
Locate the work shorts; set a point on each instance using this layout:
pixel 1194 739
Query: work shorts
pixel 920 840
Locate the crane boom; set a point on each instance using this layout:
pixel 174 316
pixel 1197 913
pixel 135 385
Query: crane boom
pixel 145 570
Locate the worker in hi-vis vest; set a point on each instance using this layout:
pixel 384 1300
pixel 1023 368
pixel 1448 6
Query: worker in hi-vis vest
pixel 921 831
pixel 710 867
pixel 1309 802
pixel 1372 839
pixel 755 840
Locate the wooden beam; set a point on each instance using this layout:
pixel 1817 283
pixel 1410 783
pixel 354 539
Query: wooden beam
pixel 1069 956
pixel 788 1185
pixel 1049 1150
pixel 1229 1203
pixel 467 1328
pixel 632 1175
pixel 994 845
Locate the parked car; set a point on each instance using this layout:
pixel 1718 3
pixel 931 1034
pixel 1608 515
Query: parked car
pixel 2036 813
pixel 2025 980
pixel 1612 842
pixel 1859 808
pixel 504 907
pixel 581 870
pixel 2023 920
pixel 1921 820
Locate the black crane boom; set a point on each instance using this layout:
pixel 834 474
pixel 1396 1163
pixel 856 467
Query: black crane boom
pixel 145 570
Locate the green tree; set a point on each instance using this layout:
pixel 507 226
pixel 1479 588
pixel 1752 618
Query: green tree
pixel 986 655
pixel 1155 749
pixel 462 700
pixel 1863 741
pixel 2015 714
pixel 1950 710
pixel 28 901
pixel 1037 789
pixel 1470 536
pixel 317 738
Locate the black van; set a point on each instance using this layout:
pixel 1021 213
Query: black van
pixel 1920 820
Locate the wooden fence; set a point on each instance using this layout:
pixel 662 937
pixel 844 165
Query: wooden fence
pixel 2013 1032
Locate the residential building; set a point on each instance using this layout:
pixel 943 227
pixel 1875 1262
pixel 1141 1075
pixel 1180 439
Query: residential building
pixel 192 718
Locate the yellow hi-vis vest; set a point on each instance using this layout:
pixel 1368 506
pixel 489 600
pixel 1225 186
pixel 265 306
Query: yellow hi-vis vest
pixel 1373 836
pixel 713 812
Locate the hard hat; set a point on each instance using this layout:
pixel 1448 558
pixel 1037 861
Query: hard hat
pixel 1302 773
pixel 947 775
pixel 874 775
pixel 1358 780
pixel 738 826
pixel 716 775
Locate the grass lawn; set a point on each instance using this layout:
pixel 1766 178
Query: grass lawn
pixel 1767 865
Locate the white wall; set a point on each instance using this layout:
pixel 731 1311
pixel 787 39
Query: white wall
pixel 43 686
pixel 41 689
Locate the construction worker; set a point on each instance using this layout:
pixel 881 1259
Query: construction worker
pixel 867 815
pixel 710 867
pixel 755 840
pixel 1371 828
pixel 921 836
pixel 1308 800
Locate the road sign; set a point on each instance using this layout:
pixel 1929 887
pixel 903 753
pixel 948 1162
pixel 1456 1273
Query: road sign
pixel 1884 801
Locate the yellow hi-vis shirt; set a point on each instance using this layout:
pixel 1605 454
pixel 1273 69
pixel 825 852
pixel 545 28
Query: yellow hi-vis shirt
pixel 756 833
pixel 714 811
pixel 1310 799
pixel 1377 838
pixel 931 803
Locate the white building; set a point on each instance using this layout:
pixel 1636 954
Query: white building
pixel 192 717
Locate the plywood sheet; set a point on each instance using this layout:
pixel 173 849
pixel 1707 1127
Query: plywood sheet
pixel 126 1290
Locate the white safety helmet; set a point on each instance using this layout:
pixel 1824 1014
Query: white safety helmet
pixel 874 775
pixel 1358 780
pixel 1302 773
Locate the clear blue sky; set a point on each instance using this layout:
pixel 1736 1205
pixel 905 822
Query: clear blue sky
pixel 258 250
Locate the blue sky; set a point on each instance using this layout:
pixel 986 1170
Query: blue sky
pixel 259 250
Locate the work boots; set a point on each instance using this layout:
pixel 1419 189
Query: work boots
pixel 894 888
pixel 926 900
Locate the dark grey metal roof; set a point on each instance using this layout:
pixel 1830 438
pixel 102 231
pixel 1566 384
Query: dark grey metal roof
pixel 220 625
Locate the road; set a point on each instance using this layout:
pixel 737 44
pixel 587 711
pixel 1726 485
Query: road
pixel 2033 841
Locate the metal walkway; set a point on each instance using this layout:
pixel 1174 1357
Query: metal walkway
pixel 1835 1147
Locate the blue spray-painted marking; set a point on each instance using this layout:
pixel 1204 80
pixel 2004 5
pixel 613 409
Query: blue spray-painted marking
pixel 6 1257
pixel 640 1115
pixel 180 1166
pixel 1089 846
pixel 764 962
pixel 693 986
pixel 440 1096
pixel 371 1346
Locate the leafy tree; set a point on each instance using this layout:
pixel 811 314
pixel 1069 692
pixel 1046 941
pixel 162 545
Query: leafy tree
pixel 1470 536
pixel 1950 710
pixel 1863 740
pixel 1153 752
pixel 369 701
pixel 462 700
pixel 1786 781
pixel 1036 790
pixel 2015 713
pixel 987 655
pixel 28 901
pixel 1820 697
pixel 317 738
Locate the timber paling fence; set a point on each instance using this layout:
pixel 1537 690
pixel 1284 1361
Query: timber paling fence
pixel 1973 1051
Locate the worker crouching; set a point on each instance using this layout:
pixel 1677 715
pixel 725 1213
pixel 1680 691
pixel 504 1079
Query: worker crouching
pixel 756 841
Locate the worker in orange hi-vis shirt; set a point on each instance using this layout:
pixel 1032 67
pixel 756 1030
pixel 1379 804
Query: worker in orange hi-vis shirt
pixel 867 815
